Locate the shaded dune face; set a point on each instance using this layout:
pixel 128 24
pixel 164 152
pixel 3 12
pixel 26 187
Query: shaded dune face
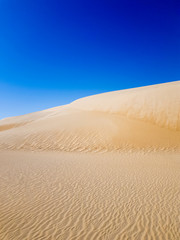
pixel 146 118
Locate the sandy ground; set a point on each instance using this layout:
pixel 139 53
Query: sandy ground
pixel 89 196
pixel 146 118
pixel 103 167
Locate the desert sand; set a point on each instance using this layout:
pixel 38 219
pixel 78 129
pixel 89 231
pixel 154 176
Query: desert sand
pixel 102 167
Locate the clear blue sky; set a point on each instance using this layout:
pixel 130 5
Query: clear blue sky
pixel 52 52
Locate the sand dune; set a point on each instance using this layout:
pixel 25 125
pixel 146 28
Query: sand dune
pixel 157 104
pixel 109 169
pixel 141 118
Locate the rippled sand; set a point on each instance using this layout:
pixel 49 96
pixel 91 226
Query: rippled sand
pixel 103 167
pixel 146 118
pixel 89 196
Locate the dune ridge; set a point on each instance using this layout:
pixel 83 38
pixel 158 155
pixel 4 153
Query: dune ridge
pixel 158 104
pixel 68 191
pixel 145 118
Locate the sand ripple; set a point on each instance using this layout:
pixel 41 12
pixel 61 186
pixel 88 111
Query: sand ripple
pixel 68 196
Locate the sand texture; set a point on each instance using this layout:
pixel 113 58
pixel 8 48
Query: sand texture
pixel 146 118
pixel 105 167
pixel 72 196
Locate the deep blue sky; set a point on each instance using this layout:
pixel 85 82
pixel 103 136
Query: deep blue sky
pixel 52 52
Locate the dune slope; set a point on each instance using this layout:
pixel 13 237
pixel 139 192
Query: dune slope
pixel 146 118
pixel 123 193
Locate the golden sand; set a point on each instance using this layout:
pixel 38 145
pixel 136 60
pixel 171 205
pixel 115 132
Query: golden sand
pixel 128 196
pixel 103 167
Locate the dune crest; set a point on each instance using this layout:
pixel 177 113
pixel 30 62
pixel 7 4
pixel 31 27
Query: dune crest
pixel 158 104
pixel 128 191
pixel 145 118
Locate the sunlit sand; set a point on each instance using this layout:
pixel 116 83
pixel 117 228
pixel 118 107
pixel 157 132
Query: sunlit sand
pixel 103 167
